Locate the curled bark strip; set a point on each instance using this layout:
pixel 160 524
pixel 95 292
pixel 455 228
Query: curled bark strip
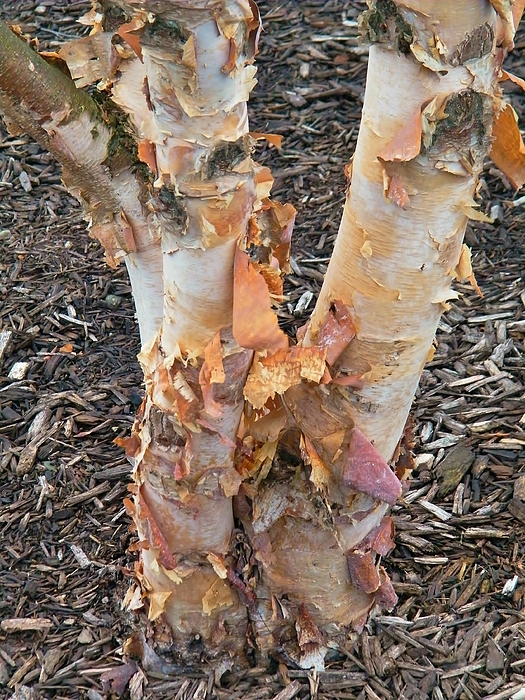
pixel 336 331
pixel 381 538
pixel 126 32
pixel 212 372
pixel 363 571
pixel 251 300
pixel 508 150
pixel 365 470
pixel 308 634
pixel 386 596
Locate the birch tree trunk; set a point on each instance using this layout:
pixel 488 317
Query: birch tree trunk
pixel 263 473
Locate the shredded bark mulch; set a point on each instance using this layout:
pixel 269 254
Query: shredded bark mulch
pixel 70 383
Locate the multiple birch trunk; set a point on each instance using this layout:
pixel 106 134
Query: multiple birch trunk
pixel 263 470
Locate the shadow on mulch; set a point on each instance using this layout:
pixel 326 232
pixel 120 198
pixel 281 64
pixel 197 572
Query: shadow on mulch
pixel 70 384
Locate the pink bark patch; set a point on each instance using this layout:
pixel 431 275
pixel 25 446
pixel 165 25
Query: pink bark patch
pixel 363 571
pixel 386 596
pixel 380 539
pixel 406 144
pixel 308 634
pixel 336 332
pixel 116 679
pixel 156 537
pixel 367 471
pixel 397 192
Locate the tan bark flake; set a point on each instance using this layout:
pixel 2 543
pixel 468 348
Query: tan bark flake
pixel 212 372
pixel 219 565
pixel 464 268
pixel 508 150
pixel 276 373
pixel 255 323
pixel 275 139
pixel 91 59
pixel 157 601
pixel 93 19
pixel 319 474
pixel 218 595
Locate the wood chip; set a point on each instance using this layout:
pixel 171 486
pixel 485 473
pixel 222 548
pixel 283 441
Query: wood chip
pixel 485 532
pixel 439 512
pixel 451 470
pixel 5 339
pixel 289 692
pixel 26 624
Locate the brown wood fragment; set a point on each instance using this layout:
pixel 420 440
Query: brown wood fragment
pixel 519 488
pixel 5 340
pixel 26 624
pixel 517 509
pixel 451 470
pixel 495 656
pixel 289 692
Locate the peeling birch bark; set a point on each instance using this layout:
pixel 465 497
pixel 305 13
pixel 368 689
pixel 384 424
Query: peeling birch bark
pixel 263 473
pixel 184 80
pixel 431 97
pixel 426 127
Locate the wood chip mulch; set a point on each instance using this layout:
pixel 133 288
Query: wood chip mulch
pixel 70 383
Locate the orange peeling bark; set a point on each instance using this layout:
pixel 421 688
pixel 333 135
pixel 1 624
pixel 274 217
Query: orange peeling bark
pixel 413 238
pixel 430 100
pixel 185 85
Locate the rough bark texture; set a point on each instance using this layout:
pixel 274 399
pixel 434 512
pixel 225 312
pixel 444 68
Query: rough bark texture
pixel 427 120
pixel 263 473
pixel 425 130
pixel 185 84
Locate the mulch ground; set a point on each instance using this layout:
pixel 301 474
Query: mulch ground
pixel 70 383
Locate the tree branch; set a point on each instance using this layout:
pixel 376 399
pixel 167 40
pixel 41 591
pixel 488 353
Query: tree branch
pixel 43 102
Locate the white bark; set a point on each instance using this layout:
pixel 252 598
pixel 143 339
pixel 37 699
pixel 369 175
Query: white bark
pixel 394 265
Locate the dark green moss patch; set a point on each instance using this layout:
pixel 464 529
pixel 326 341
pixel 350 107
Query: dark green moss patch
pixel 165 34
pixel 114 17
pixel 226 156
pixel 384 23
pixel 171 207
pixel 465 126
pixel 122 146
